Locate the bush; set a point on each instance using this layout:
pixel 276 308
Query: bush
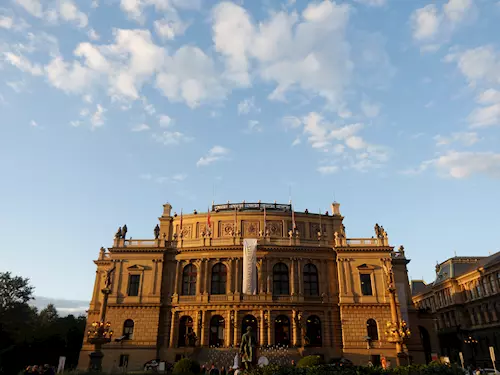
pixel 187 366
pixel 310 361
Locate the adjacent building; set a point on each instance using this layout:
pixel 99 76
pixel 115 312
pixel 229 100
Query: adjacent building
pixel 318 291
pixel 463 304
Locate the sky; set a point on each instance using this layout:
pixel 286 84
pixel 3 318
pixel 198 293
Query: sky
pixel 111 108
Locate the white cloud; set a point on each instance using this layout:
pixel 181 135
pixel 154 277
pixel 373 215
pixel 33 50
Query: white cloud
pixel 33 7
pixel 33 124
pixel 369 109
pixel 253 127
pixel 171 138
pixel 308 52
pixel 170 26
pixel 97 118
pixel 296 142
pixel 69 12
pixel 214 154
pixel 165 121
pixel 190 76
pixel 179 177
pixel 71 78
pixel 465 138
pixel 328 169
pixel 140 128
pixel 93 35
pixel 88 98
pixel 463 164
pixel 355 142
pixel 372 3
pixel 489 96
pixel 478 65
pixel 135 8
pixel 247 105
pixel 433 26
pixel 292 122
pixel 6 22
pixel 23 64
pixel 485 116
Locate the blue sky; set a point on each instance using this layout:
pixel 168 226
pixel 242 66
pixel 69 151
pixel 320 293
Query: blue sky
pixel 110 108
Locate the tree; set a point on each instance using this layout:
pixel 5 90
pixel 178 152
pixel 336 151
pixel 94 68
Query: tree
pixel 48 315
pixel 13 291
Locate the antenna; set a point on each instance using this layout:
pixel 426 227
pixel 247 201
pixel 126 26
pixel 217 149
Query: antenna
pixel 455 253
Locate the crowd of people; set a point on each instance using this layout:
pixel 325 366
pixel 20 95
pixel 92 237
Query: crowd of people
pixel 214 370
pixel 36 369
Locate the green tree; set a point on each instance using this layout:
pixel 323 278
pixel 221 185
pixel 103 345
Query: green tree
pixel 13 291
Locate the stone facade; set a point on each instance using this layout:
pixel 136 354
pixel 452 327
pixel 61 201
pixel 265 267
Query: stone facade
pixel 181 293
pixel 464 306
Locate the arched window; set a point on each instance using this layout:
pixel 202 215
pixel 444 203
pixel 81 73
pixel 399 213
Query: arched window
pixel 311 286
pixel 282 330
pixel 281 285
pixel 219 277
pixel 372 329
pixel 187 337
pixel 128 329
pixel 313 332
pixel 216 331
pixel 189 280
pixel 426 343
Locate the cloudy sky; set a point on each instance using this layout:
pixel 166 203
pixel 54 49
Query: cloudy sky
pixel 110 108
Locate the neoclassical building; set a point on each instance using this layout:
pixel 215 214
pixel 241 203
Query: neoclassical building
pixel 464 303
pixel 318 291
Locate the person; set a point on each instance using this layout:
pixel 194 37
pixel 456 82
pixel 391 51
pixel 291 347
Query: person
pixel 237 371
pixel 293 363
pixel 213 370
pixel 370 364
pixel 222 370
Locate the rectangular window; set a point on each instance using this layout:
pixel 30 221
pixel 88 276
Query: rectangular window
pixel 133 285
pixel 123 360
pixel 366 284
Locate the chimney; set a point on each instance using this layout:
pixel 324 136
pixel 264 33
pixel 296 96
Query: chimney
pixel 167 209
pixel 335 209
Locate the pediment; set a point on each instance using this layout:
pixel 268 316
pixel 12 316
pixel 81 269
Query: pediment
pixel 137 267
pixel 366 267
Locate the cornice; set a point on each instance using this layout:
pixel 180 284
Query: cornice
pixel 135 305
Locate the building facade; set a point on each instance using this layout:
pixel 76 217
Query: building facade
pixel 318 292
pixel 464 304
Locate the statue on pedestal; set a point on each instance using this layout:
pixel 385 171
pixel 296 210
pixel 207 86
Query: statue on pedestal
pixel 124 231
pixel 118 233
pixel 247 348
pixel 157 232
pixel 107 282
pixel 378 233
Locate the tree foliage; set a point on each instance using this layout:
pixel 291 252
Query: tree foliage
pixel 29 337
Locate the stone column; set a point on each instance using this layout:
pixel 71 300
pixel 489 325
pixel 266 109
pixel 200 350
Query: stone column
pixel 236 339
pixel 199 322
pixel 177 275
pixel 198 278
pixel 295 329
pixel 207 276
pixel 203 336
pixel 173 324
pixel 262 328
pixel 229 276
pixel 237 276
pixel 227 329
pixel 270 329
pixel 261 277
pixel 292 277
pixel 301 276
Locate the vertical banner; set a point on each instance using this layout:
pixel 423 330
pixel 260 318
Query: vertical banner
pixel 62 363
pixel 250 266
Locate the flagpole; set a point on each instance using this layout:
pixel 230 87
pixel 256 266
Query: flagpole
pixel 320 227
pixel 265 222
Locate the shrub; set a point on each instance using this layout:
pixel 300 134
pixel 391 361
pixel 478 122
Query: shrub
pixel 310 361
pixel 187 366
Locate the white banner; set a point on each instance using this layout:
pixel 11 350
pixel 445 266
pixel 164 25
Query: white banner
pixel 250 266
pixel 62 362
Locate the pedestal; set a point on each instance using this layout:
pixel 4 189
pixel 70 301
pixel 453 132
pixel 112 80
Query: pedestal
pixel 96 361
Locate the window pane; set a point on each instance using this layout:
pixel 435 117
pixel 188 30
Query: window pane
pixel 366 284
pixel 133 285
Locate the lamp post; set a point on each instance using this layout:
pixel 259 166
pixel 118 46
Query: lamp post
pixel 100 332
pixel 397 331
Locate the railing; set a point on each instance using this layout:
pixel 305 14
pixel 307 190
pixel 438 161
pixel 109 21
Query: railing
pixel 215 298
pixel 282 298
pixel 251 297
pixel 251 206
pixel 187 298
pixel 238 241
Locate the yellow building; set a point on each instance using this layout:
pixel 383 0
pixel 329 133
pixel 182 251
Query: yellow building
pixel 318 292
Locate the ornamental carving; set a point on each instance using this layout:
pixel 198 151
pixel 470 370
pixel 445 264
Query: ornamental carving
pixel 187 231
pixel 202 230
pixel 251 228
pixel 227 229
pixel 275 228
pixel 315 229
pixel 300 227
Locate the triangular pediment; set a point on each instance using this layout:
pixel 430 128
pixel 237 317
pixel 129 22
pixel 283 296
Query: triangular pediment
pixel 137 267
pixel 366 267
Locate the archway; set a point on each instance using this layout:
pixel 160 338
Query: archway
pixel 313 332
pixel 282 330
pixel 250 321
pixel 217 325
pixel 426 343
pixel 186 333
